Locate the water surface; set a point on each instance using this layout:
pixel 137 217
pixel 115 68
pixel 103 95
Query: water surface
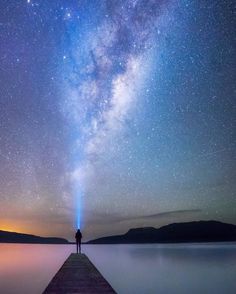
pixel 149 268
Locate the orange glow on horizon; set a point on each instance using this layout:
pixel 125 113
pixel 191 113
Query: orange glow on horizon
pixel 18 226
pixel 36 228
pixel 6 225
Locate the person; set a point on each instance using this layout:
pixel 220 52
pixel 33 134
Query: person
pixel 78 237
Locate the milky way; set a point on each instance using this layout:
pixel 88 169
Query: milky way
pixel 105 79
pixel 123 108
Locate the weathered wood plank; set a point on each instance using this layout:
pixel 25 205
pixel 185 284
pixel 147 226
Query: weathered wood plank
pixel 78 275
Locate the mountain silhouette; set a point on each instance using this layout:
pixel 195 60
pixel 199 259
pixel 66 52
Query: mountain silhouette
pixel 12 237
pixel 196 231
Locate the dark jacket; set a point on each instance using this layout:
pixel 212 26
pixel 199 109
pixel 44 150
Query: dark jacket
pixel 78 235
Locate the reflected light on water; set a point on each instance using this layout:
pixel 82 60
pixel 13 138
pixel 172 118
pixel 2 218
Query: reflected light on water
pixel 26 268
pixel 139 269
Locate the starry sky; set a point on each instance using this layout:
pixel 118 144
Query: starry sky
pixel 116 114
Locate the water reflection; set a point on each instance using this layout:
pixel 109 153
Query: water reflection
pixel 26 268
pixel 180 268
pixel 201 254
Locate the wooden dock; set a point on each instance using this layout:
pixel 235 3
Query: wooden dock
pixel 78 275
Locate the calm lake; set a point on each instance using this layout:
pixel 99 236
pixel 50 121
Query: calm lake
pixel 172 268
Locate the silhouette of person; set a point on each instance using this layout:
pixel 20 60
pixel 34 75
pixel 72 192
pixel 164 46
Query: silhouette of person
pixel 78 237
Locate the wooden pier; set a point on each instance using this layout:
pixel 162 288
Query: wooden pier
pixel 78 275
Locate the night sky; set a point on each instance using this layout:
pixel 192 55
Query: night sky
pixel 116 114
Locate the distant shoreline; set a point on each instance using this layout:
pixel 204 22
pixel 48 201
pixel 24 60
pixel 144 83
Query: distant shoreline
pixel 16 238
pixel 159 243
pixel 188 232
pixel 177 233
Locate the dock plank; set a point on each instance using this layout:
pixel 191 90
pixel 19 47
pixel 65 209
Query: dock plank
pixel 78 275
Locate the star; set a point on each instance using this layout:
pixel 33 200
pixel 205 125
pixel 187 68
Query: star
pixel 125 102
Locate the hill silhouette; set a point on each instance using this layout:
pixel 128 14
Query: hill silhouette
pixel 197 231
pixel 12 237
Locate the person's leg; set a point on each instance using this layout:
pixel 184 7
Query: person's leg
pixel 77 246
pixel 80 247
